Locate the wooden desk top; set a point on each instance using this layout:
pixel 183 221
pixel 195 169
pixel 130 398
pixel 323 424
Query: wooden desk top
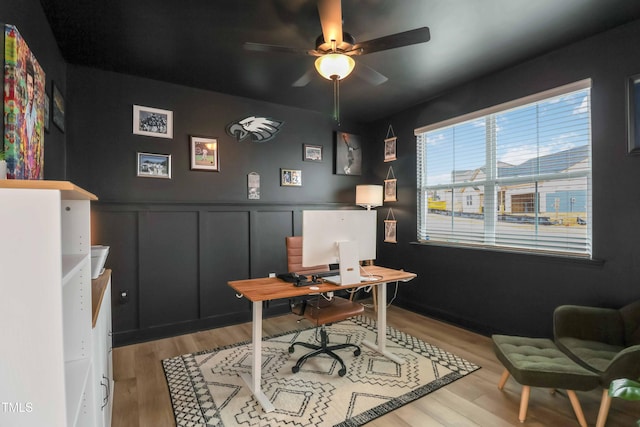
pixel 270 288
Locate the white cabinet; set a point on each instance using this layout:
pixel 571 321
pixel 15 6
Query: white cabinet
pixel 102 346
pixel 45 305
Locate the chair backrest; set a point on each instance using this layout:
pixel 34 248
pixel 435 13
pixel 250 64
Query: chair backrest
pixel 631 317
pixel 294 257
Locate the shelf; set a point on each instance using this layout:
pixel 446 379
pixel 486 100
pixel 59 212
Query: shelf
pixel 76 376
pixel 68 190
pixel 70 266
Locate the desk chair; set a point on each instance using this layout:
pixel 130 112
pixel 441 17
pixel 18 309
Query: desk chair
pixel 294 264
pixel 320 311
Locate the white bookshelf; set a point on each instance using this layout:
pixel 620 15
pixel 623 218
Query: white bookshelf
pixel 45 311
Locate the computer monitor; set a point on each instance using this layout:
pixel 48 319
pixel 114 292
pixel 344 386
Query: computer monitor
pixel 323 230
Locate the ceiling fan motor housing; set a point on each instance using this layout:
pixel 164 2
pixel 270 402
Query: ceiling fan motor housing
pixel 348 41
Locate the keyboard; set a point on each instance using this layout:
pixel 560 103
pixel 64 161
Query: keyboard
pixel 336 280
pixel 326 273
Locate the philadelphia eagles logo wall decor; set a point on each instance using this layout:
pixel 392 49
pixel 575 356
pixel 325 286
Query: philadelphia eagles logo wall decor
pixel 261 129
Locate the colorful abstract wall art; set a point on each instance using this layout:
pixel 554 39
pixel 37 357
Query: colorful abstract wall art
pixel 24 97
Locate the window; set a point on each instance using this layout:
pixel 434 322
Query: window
pixel 515 176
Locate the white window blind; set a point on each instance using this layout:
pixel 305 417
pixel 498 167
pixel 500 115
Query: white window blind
pixel 515 176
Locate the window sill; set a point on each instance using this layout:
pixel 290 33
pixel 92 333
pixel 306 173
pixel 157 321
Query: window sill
pixel 562 258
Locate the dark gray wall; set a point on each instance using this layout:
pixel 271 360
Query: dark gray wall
pixel 176 243
pixel 29 18
pixel 512 293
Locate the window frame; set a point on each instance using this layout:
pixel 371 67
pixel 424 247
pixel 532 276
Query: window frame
pixel 491 196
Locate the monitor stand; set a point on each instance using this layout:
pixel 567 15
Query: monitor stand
pixel 349 264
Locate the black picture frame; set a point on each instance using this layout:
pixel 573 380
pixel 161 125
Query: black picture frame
pixel 47 112
pixel 57 106
pixel 348 154
pixel 312 153
pixel 633 114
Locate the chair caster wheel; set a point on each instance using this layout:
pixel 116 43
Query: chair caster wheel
pixel 295 369
pixel 291 349
pixel 342 372
pixel 356 352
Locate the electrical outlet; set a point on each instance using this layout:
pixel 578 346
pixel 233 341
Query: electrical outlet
pixel 272 274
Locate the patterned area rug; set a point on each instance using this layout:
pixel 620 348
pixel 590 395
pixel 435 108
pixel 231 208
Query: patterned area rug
pixel 206 389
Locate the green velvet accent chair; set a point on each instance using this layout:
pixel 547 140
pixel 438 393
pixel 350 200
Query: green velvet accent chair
pixel 603 340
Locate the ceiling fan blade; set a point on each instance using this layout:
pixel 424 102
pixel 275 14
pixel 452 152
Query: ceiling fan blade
pixel 406 38
pixel 260 47
pixel 369 74
pixel 304 79
pixel 330 12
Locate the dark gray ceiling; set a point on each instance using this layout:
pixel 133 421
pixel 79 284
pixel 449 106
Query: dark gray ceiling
pixel 199 43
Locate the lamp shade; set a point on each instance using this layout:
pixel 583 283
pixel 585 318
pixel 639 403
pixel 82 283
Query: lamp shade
pixel 369 196
pixel 335 64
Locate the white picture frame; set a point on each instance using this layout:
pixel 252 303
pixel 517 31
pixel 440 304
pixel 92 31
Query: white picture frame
pixel 204 154
pixel 154 122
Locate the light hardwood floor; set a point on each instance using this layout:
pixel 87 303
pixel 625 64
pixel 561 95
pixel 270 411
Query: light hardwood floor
pixel 141 396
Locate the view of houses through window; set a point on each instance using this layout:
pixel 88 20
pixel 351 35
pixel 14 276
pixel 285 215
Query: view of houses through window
pixel 514 176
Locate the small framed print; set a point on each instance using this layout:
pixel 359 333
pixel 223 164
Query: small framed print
pixel 204 154
pixel 154 165
pixel 312 153
pixel 390 230
pixel 633 114
pixel 58 108
pixel 390 149
pixel 152 122
pixel 290 178
pixel 47 112
pixel 390 190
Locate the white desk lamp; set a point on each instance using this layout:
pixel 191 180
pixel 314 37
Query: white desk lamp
pixel 369 196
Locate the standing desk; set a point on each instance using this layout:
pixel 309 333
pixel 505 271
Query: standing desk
pixel 265 289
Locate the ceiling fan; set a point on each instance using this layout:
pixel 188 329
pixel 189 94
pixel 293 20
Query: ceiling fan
pixel 335 48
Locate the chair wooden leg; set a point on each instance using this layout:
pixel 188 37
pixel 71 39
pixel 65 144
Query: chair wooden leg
pixel 605 404
pixel 577 408
pixel 503 379
pixel 524 403
pixel 375 299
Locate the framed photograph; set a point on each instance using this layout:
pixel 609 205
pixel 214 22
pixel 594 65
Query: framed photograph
pixel 390 190
pixel 312 153
pixel 47 112
pixel 348 154
pixel 154 165
pixel 204 154
pixel 633 114
pixel 390 230
pixel 152 122
pixel 58 108
pixel 290 178
pixel 390 149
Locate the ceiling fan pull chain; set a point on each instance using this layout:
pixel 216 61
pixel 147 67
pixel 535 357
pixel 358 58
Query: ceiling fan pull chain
pixel 336 100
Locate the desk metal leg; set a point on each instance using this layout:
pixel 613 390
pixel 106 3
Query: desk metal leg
pixel 253 380
pixel 382 327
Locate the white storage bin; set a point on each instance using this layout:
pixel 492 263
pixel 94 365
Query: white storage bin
pixel 98 258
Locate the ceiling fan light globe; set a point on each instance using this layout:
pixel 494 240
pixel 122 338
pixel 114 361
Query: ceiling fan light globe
pixel 335 65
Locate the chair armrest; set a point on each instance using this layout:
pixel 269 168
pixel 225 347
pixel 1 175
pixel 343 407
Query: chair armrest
pixel 589 323
pixel 626 364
